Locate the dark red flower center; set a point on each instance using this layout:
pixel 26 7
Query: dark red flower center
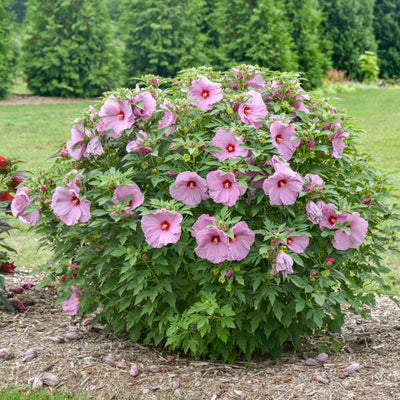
pixel 75 201
pixel 191 184
pixel 289 241
pixel 121 115
pixel 332 220
pixel 227 184
pixel 233 239
pixel 278 138
pixel 205 94
pixel 215 239
pixel 282 183
pixel 230 148
pixel 165 225
pixel 131 202
pixel 247 110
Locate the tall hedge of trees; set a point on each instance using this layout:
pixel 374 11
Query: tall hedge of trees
pixel 7 49
pixel 387 34
pixel 69 49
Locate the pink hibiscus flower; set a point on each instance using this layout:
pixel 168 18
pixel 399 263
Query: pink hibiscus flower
pixel 162 227
pixel 283 186
pixel 116 116
pixel 284 264
pixel 224 188
pixel 253 109
pixel 20 203
pixel 68 207
pixel 74 303
pixel 202 222
pixel 189 188
pixel 297 243
pixel 76 146
pixel 329 216
pixel 229 144
pixel 240 245
pixel 136 197
pixel 212 245
pixel 338 143
pixel 205 92
pixel 94 147
pixel 284 138
pixel 169 119
pixel 312 182
pixel 138 145
pixel 299 106
pixel 358 229
pixel 145 105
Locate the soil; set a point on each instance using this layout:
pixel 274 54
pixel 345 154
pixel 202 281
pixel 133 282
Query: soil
pixel 87 365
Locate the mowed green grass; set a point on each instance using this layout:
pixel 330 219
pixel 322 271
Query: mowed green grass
pixel 33 132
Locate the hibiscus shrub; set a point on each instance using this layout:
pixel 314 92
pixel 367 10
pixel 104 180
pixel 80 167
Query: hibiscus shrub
pixel 219 213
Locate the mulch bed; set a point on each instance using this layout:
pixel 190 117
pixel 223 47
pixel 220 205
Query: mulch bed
pixel 87 365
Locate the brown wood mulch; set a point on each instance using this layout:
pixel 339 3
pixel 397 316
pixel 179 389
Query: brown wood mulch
pixel 87 365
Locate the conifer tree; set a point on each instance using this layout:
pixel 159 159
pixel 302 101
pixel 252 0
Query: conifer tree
pixel 69 48
pixel 7 49
pixel 387 33
pixel 163 36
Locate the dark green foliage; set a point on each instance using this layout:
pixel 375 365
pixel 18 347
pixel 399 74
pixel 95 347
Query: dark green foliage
pixel 69 50
pixel 19 8
pixel 313 50
pixel 256 32
pixel 7 49
pixel 387 33
pixel 162 36
pixel 349 27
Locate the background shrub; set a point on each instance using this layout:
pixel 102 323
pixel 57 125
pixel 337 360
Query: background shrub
pixel 8 49
pixel 69 50
pixel 174 294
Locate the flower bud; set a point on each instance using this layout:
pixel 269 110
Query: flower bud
pixel 330 261
pixel 228 273
pixel 366 201
pixel 311 144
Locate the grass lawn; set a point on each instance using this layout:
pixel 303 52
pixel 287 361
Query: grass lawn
pixel 17 394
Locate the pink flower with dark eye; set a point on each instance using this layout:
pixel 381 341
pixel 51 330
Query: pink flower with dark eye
pixel 162 228
pixel 68 207
pixel 138 145
pixel 133 192
pixel 284 138
pixel 116 116
pixel 20 203
pixel 74 303
pixel 297 243
pixel 314 211
pixel 205 92
pixel 338 143
pixel 202 222
pixel 212 245
pixel 283 186
pixel 76 146
pixel 189 188
pixel 253 109
pixel 329 216
pixel 224 188
pixel 240 245
pixel 284 264
pixel 312 182
pixel 169 119
pixel 358 229
pixel 145 105
pixel 228 143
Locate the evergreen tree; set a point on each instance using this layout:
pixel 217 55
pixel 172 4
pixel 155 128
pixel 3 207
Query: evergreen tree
pixel 349 27
pixel 254 32
pixel 387 33
pixel 163 36
pixel 313 51
pixel 19 8
pixel 69 50
pixel 7 49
